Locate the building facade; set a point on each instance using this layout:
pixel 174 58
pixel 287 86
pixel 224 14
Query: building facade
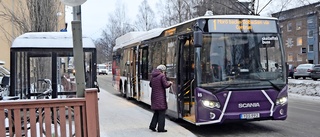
pixel 300 33
pixel 12 10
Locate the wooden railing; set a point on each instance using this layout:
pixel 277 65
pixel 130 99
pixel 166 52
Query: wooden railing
pixel 51 117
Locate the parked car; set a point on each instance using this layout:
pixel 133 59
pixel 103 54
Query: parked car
pixel 3 72
pixel 291 70
pixel 303 70
pixel 4 81
pixel 315 73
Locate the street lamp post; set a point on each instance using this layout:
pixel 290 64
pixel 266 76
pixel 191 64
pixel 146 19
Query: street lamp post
pixel 77 45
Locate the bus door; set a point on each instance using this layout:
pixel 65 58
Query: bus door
pixel 131 72
pixel 186 77
pixel 134 69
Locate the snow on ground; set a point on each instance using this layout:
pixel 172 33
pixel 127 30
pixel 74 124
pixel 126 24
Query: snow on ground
pixel 304 88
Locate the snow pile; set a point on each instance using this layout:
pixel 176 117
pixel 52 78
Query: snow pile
pixel 306 87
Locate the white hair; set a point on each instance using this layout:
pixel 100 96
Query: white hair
pixel 162 67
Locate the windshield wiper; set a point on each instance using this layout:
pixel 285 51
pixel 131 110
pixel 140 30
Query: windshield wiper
pixel 223 88
pixel 273 85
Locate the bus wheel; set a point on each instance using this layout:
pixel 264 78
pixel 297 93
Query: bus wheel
pixel 127 93
pixel 121 90
pixel 125 90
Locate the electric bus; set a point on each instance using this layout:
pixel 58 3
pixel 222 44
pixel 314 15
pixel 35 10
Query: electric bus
pixel 224 68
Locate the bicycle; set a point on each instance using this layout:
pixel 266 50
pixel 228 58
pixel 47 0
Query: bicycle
pixel 55 119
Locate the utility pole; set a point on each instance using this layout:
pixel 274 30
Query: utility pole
pixel 78 50
pixel 77 44
pixel 76 12
pixel 251 7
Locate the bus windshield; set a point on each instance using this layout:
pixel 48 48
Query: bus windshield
pixel 241 60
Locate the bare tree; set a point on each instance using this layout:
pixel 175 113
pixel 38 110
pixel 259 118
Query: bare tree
pixel 280 5
pixel 102 50
pixel 118 25
pixel 175 11
pixel 26 16
pixel 43 15
pixel 146 17
pixel 30 15
pixel 165 15
pixel 220 7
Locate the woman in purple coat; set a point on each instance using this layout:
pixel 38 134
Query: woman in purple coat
pixel 158 84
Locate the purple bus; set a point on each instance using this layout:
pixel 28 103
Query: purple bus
pixel 225 68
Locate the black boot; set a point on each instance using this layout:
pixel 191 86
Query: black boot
pixel 153 129
pixel 163 130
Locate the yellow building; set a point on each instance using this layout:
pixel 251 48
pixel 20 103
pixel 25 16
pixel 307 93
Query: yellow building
pixel 14 12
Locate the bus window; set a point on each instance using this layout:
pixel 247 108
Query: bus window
pixel 144 60
pixel 171 59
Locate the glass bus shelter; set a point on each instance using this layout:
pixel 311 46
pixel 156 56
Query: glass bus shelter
pixel 37 57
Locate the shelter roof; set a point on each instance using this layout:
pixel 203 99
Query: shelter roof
pixel 49 40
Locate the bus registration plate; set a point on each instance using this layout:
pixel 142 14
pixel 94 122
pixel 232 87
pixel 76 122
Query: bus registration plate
pixel 250 116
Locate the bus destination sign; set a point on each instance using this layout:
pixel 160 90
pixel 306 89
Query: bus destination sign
pixel 242 25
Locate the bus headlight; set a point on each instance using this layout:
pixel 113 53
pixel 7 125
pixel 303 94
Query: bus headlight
pixel 282 101
pixel 210 104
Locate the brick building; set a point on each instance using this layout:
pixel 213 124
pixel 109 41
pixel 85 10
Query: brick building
pixel 300 33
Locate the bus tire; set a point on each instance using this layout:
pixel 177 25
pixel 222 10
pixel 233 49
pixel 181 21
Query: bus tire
pixel 125 90
pixel 121 89
pixel 127 93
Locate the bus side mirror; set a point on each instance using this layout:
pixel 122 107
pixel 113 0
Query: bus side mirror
pixel 197 38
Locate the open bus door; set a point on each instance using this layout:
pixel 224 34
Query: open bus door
pixel 133 69
pixel 130 83
pixel 186 78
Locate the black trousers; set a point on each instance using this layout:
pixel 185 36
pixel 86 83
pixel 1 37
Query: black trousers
pixel 158 118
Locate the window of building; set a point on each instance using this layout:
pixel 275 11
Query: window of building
pixel 299 57
pixel 289 42
pixel 310 33
pixel 298 25
pixel 310 49
pixel 310 20
pixel 289 27
pixel 303 50
pixel 290 57
pixel 299 41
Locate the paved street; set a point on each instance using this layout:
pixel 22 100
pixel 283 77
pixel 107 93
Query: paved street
pixel 120 118
pixel 302 120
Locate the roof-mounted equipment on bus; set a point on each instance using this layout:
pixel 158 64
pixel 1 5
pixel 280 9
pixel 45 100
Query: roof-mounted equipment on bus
pixel 208 13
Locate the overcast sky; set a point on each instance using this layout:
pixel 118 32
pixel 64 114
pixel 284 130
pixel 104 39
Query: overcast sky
pixel 95 13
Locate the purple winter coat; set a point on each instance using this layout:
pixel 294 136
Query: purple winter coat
pixel 158 85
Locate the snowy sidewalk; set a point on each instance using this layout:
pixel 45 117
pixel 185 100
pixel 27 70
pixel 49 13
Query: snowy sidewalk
pixel 120 118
